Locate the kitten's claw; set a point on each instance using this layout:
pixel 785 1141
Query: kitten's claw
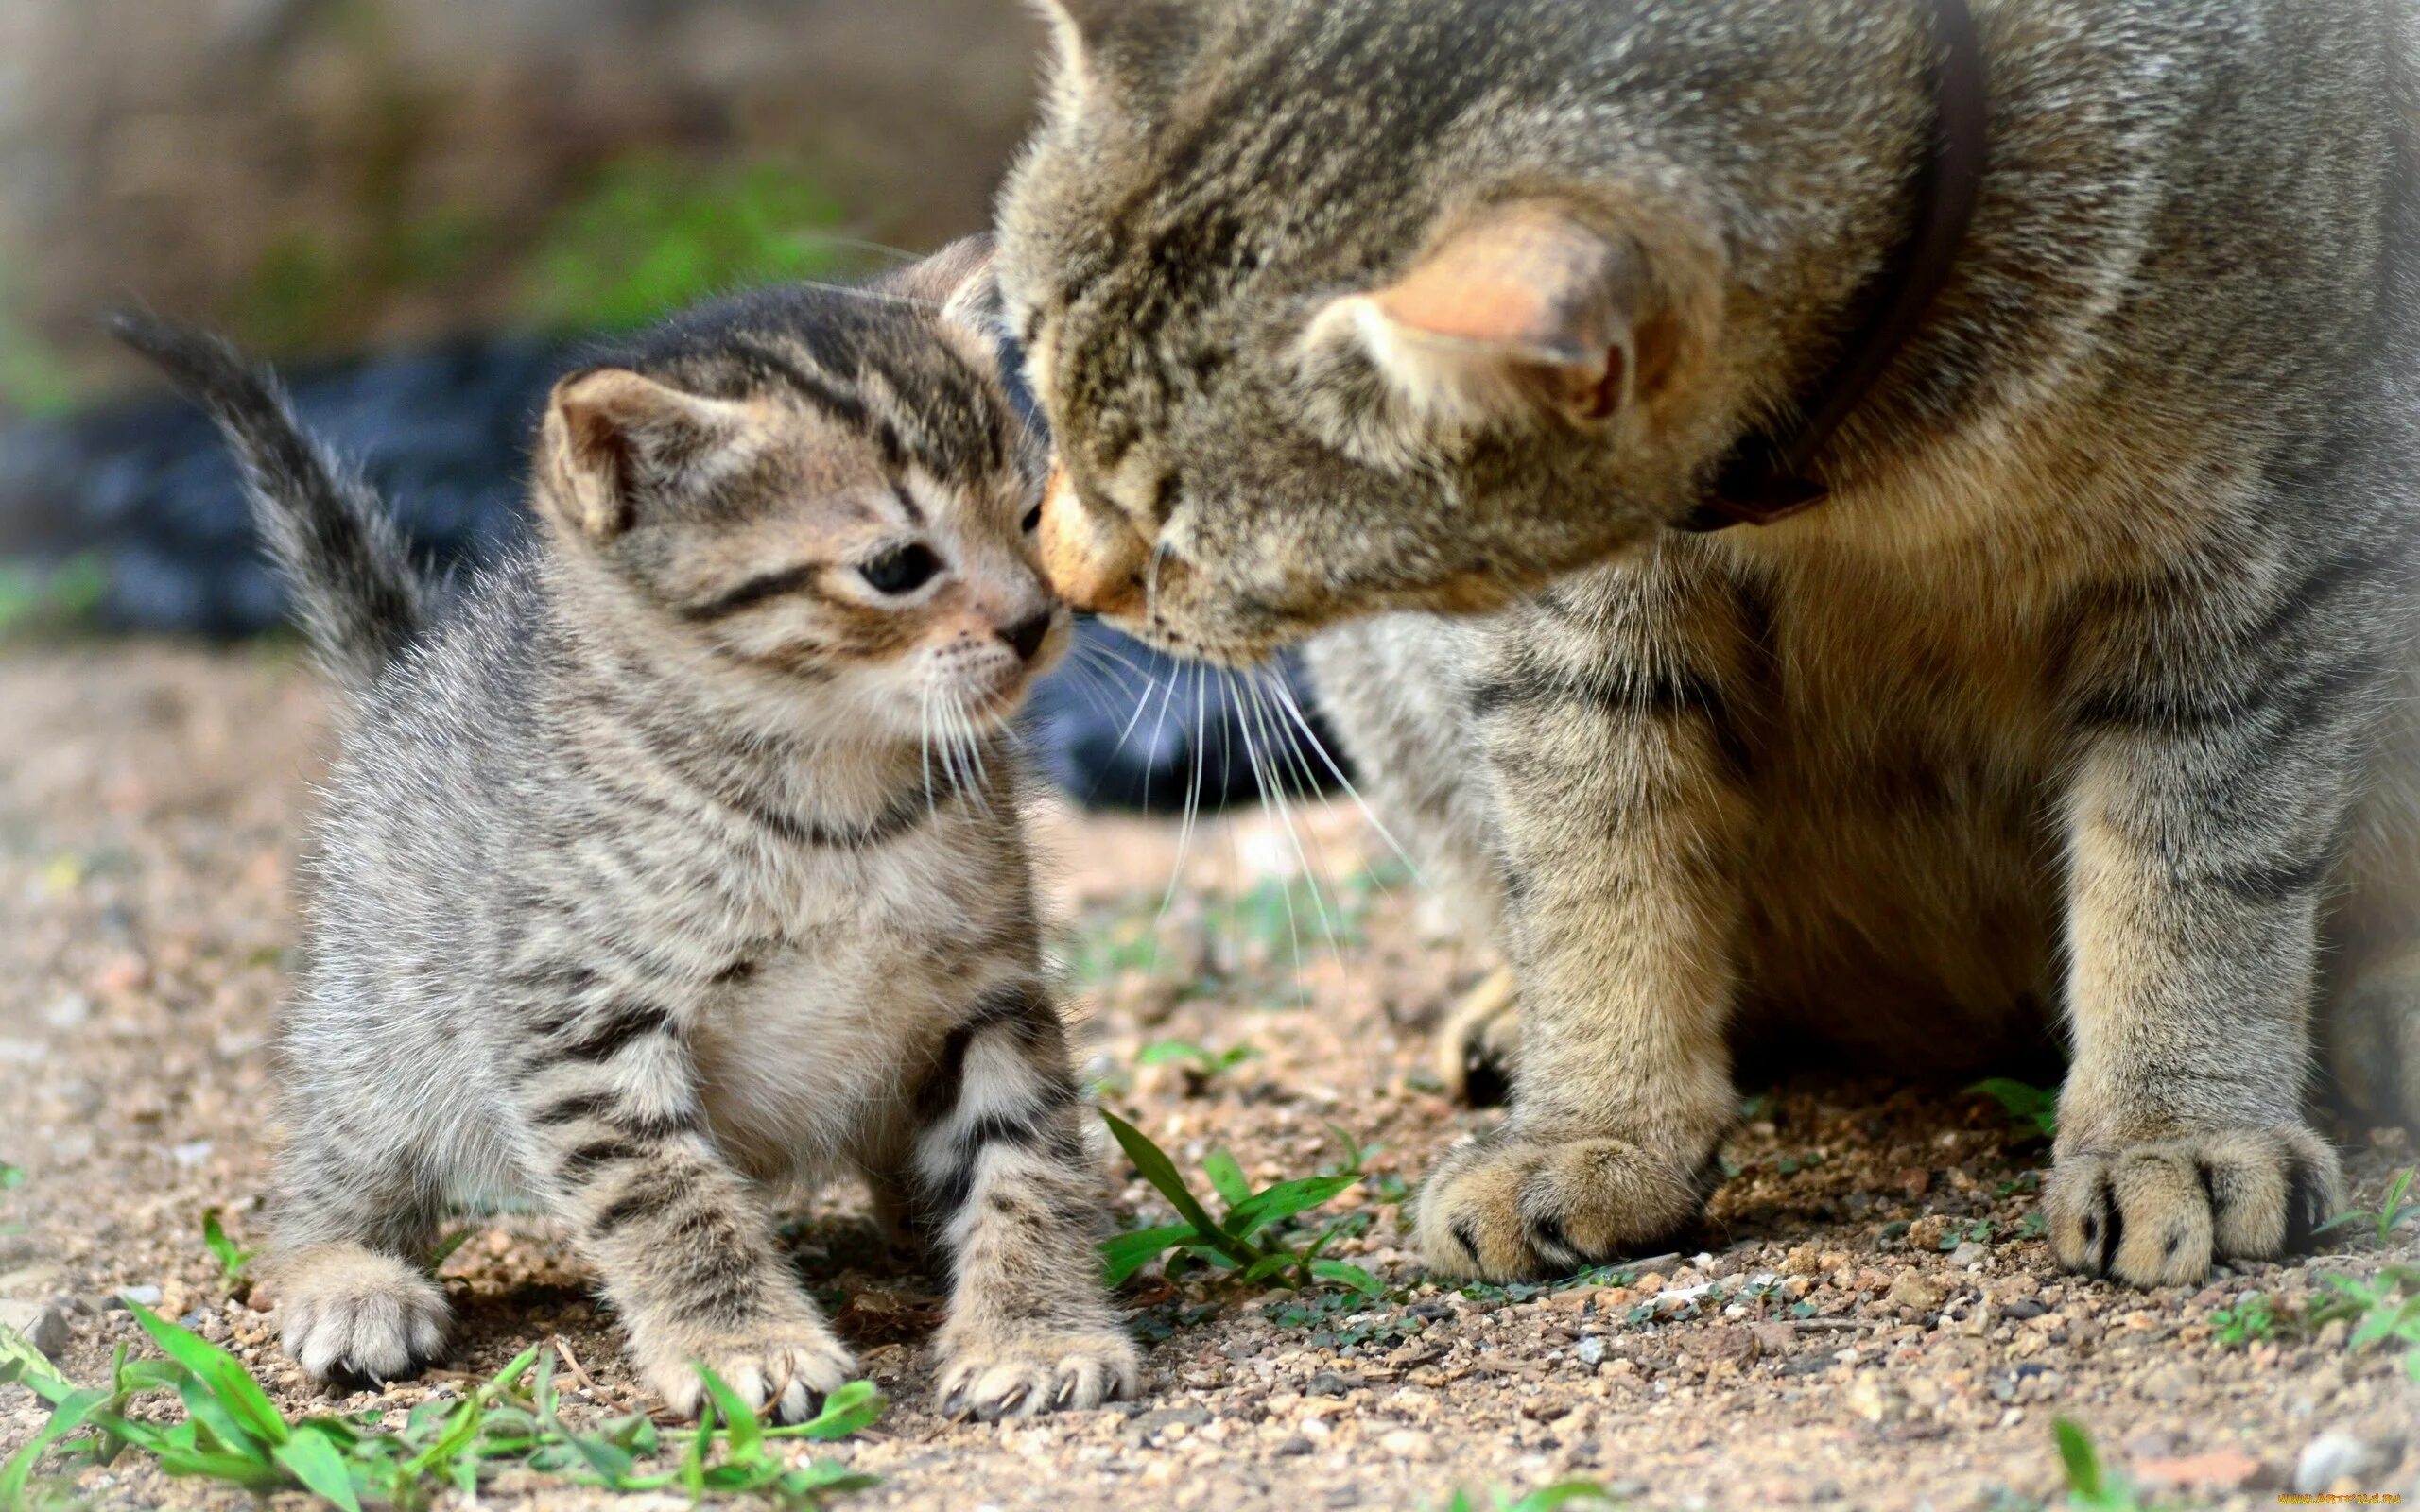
pixel 2159 1213
pixel 359 1318
pixel 785 1370
pixel 1021 1377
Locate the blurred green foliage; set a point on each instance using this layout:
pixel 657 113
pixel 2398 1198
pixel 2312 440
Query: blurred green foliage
pixel 34 379
pixel 36 600
pixel 653 233
pixel 646 235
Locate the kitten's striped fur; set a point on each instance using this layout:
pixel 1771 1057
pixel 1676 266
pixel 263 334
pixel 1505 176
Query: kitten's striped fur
pixel 679 863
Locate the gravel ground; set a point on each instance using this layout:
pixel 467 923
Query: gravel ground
pixel 1866 1321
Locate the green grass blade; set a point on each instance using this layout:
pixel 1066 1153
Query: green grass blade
pixel 1226 1177
pixel 2076 1453
pixel 67 1415
pixel 311 1459
pixel 1122 1255
pixel 693 1464
pixel 1563 1494
pixel 746 1433
pixel 1352 1275
pixel 220 1372
pixel 1284 1200
pixel 215 1418
pixel 852 1409
pixel 445 1248
pixel 1161 1173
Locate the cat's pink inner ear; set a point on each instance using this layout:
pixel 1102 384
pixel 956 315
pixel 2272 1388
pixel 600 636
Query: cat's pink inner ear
pixel 609 434
pixel 1528 285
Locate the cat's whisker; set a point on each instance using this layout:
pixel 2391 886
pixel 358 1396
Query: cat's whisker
pixel 1275 778
pixel 1293 708
pixel 1192 811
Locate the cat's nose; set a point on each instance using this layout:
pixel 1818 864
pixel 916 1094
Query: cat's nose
pixel 1026 636
pixel 1094 560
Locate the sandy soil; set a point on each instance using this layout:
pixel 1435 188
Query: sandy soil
pixel 1865 1323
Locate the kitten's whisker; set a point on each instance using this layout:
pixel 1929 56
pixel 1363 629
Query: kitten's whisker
pixel 856 244
pixel 870 296
pixel 1192 810
pixel 1269 735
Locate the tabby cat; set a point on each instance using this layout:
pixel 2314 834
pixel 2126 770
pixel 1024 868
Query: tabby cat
pixel 2085 697
pixel 680 859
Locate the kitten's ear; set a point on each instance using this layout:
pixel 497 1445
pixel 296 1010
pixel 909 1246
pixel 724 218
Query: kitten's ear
pixel 1521 308
pixel 615 440
pixel 1128 43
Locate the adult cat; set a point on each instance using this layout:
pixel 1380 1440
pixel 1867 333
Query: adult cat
pixel 1419 324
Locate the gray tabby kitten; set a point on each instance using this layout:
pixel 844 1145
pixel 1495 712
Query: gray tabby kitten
pixel 2088 692
pixel 681 860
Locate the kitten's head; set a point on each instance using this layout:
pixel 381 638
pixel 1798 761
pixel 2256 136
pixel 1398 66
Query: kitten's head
pixel 818 491
pixel 1339 306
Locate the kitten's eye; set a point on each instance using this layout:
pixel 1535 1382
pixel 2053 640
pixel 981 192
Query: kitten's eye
pixel 901 569
pixel 1033 520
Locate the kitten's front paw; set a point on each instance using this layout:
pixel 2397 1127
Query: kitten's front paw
pixel 2157 1213
pixel 357 1318
pixel 1508 1207
pixel 1017 1375
pixel 790 1364
pixel 1480 1041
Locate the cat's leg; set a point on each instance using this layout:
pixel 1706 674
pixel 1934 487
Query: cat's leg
pixel 1010 1189
pixel 1391 690
pixel 1619 776
pixel 685 1242
pixel 351 1222
pixel 2374 962
pixel 2222 740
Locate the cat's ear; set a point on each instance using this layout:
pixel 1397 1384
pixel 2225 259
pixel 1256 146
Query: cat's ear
pixel 615 440
pixel 1521 308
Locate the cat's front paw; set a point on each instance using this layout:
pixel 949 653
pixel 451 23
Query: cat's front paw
pixel 1510 1207
pixel 788 1365
pixel 357 1318
pixel 1019 1375
pixel 2157 1213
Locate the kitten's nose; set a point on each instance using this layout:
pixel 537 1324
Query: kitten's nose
pixel 1026 636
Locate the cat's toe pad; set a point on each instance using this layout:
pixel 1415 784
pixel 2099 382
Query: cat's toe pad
pixel 1508 1208
pixel 1017 1376
pixel 2159 1213
pixel 356 1318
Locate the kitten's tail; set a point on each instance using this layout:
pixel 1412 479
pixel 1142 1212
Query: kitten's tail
pixel 356 592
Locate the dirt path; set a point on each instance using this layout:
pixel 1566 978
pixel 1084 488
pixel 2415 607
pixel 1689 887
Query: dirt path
pixel 1870 1325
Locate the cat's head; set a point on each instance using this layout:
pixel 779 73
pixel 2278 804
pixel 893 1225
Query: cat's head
pixel 1336 306
pixel 819 492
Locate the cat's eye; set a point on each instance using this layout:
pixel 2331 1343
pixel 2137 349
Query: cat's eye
pixel 1033 520
pixel 901 569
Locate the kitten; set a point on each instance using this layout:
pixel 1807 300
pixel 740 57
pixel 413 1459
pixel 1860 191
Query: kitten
pixel 2090 692
pixel 680 859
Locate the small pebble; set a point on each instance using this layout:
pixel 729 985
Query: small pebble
pixel 2334 1455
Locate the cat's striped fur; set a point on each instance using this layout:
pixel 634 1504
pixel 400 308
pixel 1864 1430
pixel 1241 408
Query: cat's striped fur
pixel 2088 693
pixel 680 862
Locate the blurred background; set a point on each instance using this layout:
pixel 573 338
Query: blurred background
pixel 415 206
